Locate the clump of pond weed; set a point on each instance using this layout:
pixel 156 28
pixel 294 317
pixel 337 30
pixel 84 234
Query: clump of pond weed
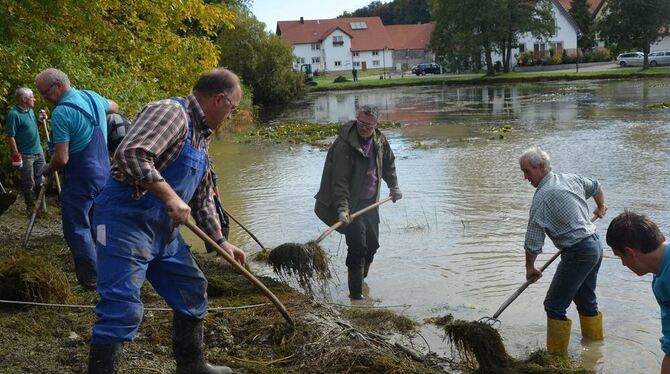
pixel 500 131
pixel 663 105
pixel 31 278
pixel 481 348
pixel 379 320
pixel 304 262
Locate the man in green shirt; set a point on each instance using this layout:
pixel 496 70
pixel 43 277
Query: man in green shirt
pixel 24 143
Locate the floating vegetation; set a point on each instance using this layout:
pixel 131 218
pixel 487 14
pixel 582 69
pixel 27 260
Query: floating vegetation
pixel 379 320
pixel 29 278
pixel 304 262
pixel 663 105
pixel 298 133
pixel 422 145
pixel 481 348
pixel 500 131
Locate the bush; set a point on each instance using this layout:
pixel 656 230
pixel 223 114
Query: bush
pixel 341 79
pixel 525 58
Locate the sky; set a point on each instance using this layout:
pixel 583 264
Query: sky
pixel 271 11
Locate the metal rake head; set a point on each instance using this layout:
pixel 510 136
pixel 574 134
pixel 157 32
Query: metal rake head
pixel 491 321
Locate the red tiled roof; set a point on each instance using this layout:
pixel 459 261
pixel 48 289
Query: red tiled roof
pixel 410 36
pixel 595 5
pixel 373 38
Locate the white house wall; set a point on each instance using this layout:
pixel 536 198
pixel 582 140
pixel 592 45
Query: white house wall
pixel 306 53
pixel 663 45
pixel 383 59
pixel 565 33
pixel 334 54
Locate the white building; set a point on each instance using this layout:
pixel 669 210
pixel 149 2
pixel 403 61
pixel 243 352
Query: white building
pixel 342 44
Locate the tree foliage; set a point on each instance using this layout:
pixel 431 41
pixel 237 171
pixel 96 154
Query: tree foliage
pixel 396 12
pixel 131 51
pixel 634 24
pixel 464 30
pixel 580 12
pixel 263 60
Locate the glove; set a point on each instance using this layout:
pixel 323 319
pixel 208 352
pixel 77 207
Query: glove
pixel 395 194
pixel 51 147
pixel 344 217
pixel 17 161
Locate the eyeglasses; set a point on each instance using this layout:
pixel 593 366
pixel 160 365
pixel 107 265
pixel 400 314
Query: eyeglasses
pixel 46 92
pixel 365 125
pixel 233 107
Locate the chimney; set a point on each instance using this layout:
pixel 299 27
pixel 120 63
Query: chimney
pixel 302 20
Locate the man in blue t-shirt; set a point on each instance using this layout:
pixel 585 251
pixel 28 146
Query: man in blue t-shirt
pixel 642 248
pixel 23 137
pixel 80 150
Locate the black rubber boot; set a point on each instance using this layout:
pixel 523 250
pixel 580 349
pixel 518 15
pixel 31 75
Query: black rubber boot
pixel 104 358
pixel 187 340
pixel 355 279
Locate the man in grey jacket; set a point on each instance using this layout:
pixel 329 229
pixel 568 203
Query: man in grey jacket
pixel 357 161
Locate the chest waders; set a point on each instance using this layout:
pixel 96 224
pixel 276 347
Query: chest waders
pixel 84 177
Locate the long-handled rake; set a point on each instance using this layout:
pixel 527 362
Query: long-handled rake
pixel 306 260
pixel 494 321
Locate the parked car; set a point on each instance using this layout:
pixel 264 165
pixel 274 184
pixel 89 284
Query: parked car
pixel 630 59
pixel 659 58
pixel 426 68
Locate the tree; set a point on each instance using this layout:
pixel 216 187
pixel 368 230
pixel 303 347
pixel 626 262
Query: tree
pixel 263 60
pixel 464 29
pixel 132 51
pixel 634 24
pixel 580 12
pixel 395 12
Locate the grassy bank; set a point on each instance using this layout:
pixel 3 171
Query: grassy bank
pixel 326 83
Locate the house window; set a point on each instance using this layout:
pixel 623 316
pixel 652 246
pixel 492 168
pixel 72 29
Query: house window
pixel 338 41
pixel 539 51
pixel 338 63
pixel 316 60
pixel 355 54
pixel 358 25
pixel 316 46
pixel 522 48
pixel 375 53
pixel 357 64
pixel 375 62
pixel 300 60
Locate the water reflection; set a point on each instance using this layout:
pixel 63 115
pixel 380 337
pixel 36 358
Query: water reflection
pixel 454 243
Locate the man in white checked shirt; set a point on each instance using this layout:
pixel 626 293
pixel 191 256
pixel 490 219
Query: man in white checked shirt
pixel 559 210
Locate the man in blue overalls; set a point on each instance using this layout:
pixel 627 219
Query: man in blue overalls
pixel 160 176
pixel 80 150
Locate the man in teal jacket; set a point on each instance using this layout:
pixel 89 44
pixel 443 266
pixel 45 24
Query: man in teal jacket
pixel 357 161
pixel 23 137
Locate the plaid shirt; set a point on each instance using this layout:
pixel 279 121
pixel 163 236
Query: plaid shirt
pixel 559 210
pixel 154 141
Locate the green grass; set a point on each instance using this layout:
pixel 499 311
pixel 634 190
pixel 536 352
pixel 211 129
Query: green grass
pixel 663 105
pixel 326 83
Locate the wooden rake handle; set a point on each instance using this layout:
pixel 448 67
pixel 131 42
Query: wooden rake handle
pixel 242 271
pixel 243 228
pixel 46 131
pixel 528 282
pixel 353 216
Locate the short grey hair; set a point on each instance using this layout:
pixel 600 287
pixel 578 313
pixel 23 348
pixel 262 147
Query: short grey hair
pixel 22 92
pixel 369 110
pixel 536 156
pixel 50 76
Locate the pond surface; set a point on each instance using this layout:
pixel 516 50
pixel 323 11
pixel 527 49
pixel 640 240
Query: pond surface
pixel 454 243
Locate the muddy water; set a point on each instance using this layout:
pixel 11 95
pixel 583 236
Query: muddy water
pixel 453 244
